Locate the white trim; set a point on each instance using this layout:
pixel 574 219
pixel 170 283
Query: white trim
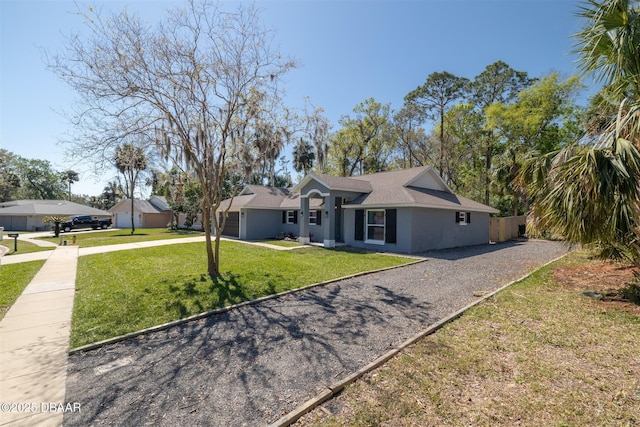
pixel 316 212
pixel 314 191
pixel 374 242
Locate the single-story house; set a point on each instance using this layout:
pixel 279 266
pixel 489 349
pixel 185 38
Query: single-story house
pixel 260 212
pixel 406 211
pixel 27 215
pixel 152 213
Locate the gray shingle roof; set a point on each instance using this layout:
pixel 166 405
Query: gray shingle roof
pixel 342 183
pixel 407 188
pixel 414 187
pixel 261 197
pixel 47 208
pixel 141 206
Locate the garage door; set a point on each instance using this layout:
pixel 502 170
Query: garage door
pixel 232 226
pixel 14 223
pixel 123 219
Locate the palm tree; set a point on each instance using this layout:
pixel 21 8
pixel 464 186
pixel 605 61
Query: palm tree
pixel 130 160
pixel 609 42
pixel 589 192
pixel 70 177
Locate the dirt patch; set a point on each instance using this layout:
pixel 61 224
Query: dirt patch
pixel 602 280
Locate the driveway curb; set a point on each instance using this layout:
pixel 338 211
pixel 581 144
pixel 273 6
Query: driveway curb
pixel 335 388
pixel 168 325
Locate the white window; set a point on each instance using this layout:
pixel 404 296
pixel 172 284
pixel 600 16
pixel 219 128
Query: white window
pixel 463 218
pixel 375 226
pixel 313 217
pixel 291 217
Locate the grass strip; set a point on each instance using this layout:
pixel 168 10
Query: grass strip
pixel 24 247
pixel 283 243
pixel 13 279
pixel 536 353
pixel 122 292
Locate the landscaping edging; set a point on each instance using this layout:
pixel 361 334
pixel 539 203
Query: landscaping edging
pixel 209 313
pixel 335 388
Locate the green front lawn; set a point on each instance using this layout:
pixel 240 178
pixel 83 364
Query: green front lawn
pixel 86 239
pixel 122 292
pixel 13 279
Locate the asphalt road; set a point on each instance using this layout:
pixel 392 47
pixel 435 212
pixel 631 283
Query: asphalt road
pixel 251 365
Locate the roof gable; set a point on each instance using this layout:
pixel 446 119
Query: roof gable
pixel 429 179
pixel 139 206
pixel 335 183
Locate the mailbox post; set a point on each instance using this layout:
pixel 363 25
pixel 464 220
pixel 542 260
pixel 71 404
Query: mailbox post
pixel 15 240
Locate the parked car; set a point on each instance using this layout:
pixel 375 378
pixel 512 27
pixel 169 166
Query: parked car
pixel 85 221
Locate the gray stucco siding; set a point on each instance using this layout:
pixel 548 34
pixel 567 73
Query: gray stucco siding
pixel 258 224
pixel 421 229
pixel 437 229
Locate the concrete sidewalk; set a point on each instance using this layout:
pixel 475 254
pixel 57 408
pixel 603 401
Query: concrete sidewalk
pixel 34 341
pixel 31 256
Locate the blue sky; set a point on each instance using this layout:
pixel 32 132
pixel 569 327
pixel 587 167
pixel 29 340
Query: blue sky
pixel 349 50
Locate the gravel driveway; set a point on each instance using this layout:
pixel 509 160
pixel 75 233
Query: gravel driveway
pixel 251 365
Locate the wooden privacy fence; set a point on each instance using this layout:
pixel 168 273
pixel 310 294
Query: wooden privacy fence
pixel 506 228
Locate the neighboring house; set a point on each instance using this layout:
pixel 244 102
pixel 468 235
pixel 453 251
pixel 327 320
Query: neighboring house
pixel 27 215
pixel 152 213
pixel 406 211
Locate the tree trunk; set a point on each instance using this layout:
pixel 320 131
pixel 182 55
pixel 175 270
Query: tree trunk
pixel 487 178
pixel 133 227
pixel 212 257
pixel 441 142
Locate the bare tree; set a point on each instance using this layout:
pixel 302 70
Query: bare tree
pixel 187 82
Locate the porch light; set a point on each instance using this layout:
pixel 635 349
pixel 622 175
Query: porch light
pixel 326 213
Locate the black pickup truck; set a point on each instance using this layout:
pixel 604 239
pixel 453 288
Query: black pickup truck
pixel 85 221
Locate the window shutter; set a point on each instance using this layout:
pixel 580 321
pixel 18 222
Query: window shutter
pixel 359 226
pixel 295 217
pixel 318 217
pixel 390 226
pixel 457 217
pixel 284 217
pixel 468 217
